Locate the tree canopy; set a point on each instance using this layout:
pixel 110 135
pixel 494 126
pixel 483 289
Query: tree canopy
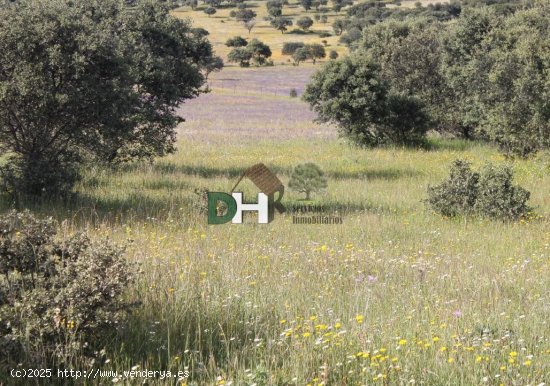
pixel 88 80
pixel 254 50
pixel 281 23
pixel 305 23
pixel 352 94
pixel 484 76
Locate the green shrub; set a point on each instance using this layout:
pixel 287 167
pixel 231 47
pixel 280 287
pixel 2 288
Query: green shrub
pixel 352 94
pixel 490 193
pixel 236 41
pixel 58 297
pixel 457 195
pixel 23 175
pixel 498 197
pixel 289 48
pixel 293 93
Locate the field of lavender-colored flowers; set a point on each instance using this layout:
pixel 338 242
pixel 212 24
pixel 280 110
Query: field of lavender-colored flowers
pixel 253 104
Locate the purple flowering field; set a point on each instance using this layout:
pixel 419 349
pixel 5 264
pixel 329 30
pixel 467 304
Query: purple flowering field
pixel 253 104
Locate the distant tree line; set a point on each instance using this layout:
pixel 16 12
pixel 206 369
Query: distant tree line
pixel 484 76
pixel 301 52
pixel 363 15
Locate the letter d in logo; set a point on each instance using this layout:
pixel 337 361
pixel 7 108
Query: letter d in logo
pixel 213 199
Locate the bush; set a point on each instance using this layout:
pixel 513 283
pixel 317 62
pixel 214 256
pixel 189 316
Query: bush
pixel 236 41
pixel 293 93
pixel 307 178
pixel 498 197
pixel 210 11
pixel 457 195
pixel 289 48
pixel 58 298
pixel 37 176
pixel 489 193
pixel 352 94
pixel 305 23
pixel 240 55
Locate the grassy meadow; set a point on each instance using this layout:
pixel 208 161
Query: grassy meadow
pixel 221 27
pixel 395 295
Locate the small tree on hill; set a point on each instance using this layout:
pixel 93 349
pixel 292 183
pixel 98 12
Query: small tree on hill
pixel 260 51
pixel 337 5
pixel 214 65
pixel 213 3
pixel 290 47
pixel 315 51
pixel 191 3
pixel 307 178
pixel 281 23
pixel 210 11
pixel 236 41
pixel 240 55
pixel 245 15
pixel 300 55
pixel 249 25
pixel 274 8
pixel 306 4
pixel 275 11
pixel 339 26
pixel 305 23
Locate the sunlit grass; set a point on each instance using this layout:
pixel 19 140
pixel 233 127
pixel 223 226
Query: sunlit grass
pixel 393 295
pixel 222 27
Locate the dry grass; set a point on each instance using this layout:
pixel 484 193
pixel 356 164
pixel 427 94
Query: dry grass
pixel 221 27
pixel 396 295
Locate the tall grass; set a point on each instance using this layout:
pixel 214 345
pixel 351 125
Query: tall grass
pixel 394 294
